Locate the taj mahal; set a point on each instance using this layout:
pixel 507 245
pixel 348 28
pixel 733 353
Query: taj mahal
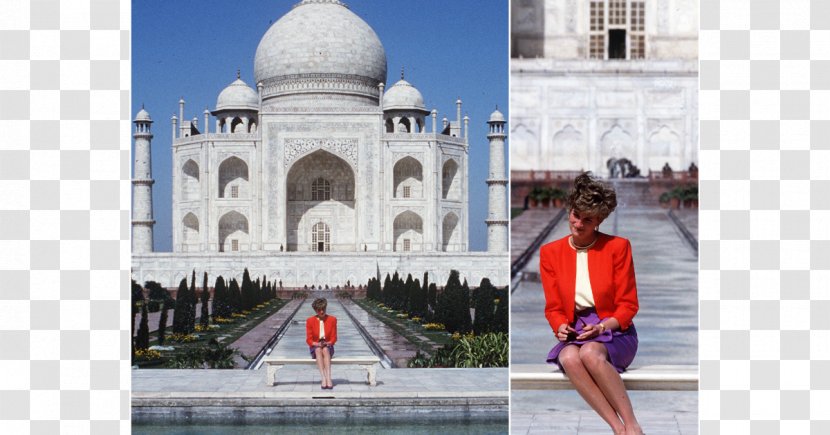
pixel 319 173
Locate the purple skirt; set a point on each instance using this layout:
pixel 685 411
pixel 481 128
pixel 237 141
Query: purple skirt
pixel 621 346
pixel 314 355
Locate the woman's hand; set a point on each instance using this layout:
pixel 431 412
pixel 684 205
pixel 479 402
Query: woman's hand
pixel 590 331
pixel 562 333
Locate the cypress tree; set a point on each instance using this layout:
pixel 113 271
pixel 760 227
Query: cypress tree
pixel 386 290
pixel 180 310
pixel 485 308
pixel 220 299
pixel 247 291
pixel 163 322
pixel 235 296
pixel 142 340
pixel 191 309
pixel 204 319
pixel 137 299
pixel 502 317
pixel 464 306
pixel 406 294
pixel 432 301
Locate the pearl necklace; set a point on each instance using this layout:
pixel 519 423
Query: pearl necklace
pixel 581 248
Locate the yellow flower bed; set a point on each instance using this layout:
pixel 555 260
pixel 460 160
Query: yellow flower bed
pixel 223 320
pixel 238 315
pixel 416 319
pixel 200 328
pixel 147 354
pixel 434 327
pixel 182 338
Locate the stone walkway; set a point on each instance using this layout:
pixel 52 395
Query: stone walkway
pixel 525 227
pixel 394 345
pixel 252 342
pixel 666 268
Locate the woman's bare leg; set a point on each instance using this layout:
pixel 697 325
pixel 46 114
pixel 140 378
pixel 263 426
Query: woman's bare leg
pixel 327 365
pixel 318 353
pixel 579 376
pixel 594 356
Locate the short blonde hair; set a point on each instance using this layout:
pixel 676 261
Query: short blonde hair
pixel 319 304
pixel 592 197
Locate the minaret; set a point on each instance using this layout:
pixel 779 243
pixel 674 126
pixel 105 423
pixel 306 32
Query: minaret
pixel 143 222
pixel 497 186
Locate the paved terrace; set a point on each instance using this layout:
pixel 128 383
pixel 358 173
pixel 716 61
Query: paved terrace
pixel 666 268
pixel 241 396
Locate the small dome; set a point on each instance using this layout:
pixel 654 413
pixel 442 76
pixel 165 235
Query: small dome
pixel 402 95
pixel 238 95
pixel 143 115
pixel 496 116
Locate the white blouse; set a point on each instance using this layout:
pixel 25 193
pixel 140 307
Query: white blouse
pixel 584 295
pixel 322 330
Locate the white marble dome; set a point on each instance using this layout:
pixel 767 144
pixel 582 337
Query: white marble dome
pixel 402 95
pixel 496 116
pixel 238 96
pixel 320 37
pixel 143 115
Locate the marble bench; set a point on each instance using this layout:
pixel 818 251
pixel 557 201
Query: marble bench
pixel 654 377
pixel 273 364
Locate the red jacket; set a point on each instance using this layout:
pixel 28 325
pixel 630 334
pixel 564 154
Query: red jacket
pixel 312 329
pixel 611 270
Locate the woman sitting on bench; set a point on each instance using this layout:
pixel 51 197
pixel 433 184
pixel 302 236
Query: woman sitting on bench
pixel 321 334
pixel 591 297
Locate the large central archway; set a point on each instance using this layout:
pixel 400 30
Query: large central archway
pixel 320 187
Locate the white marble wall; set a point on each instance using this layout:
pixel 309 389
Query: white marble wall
pixel 575 115
pixel 299 269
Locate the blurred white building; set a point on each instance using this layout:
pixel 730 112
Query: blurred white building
pixel 595 82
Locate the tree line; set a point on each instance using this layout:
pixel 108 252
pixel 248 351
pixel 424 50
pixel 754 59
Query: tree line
pixel 228 299
pixel 451 306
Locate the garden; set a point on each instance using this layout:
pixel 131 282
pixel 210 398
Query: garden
pixel 454 337
pixel 202 342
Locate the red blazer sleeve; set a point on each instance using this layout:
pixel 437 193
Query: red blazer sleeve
pixel 309 330
pixel 625 296
pixel 331 334
pixel 554 308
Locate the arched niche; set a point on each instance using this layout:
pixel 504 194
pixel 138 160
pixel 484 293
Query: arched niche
pixel 408 229
pixel 190 180
pixel 233 178
pixel 320 187
pixel 450 181
pixel 450 234
pixel 233 232
pixel 408 178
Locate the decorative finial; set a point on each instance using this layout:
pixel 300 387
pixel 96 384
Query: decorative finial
pixel 401 73
pixel 237 73
pixel 497 107
pixel 142 106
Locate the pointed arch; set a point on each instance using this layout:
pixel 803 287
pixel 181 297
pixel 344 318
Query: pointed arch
pixel 450 181
pixel 450 235
pixel 407 178
pixel 190 186
pixel 233 178
pixel 233 232
pixel 408 229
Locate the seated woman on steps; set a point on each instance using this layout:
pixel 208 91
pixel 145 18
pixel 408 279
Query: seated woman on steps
pixel 591 299
pixel 320 335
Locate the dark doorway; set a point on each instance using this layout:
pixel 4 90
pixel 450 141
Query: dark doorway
pixel 321 246
pixel 616 44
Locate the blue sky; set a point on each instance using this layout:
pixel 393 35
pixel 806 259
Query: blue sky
pixel 193 48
